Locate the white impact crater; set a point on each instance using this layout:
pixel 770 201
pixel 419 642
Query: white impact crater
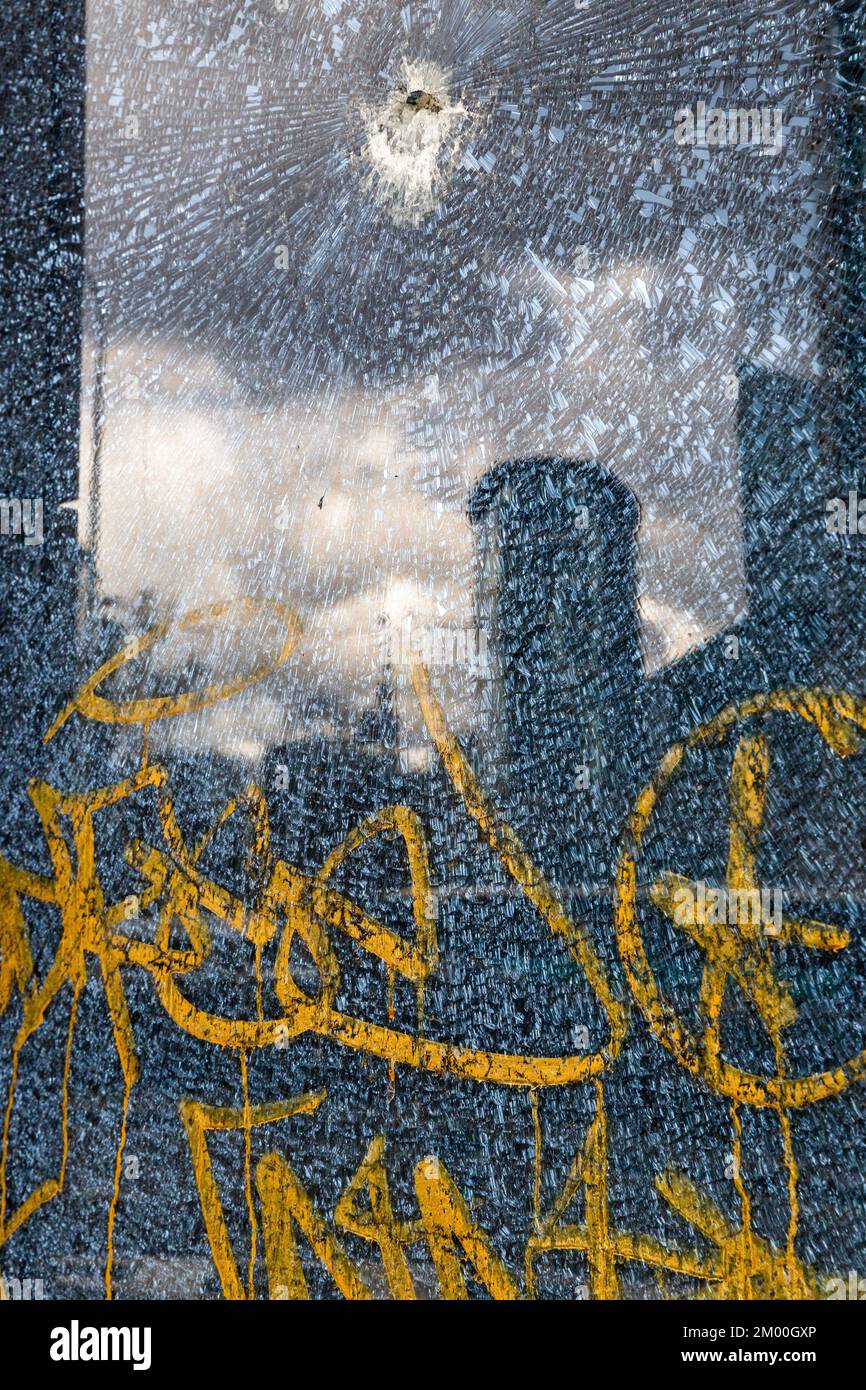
pixel 413 142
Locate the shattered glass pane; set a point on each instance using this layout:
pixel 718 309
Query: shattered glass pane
pixel 444 775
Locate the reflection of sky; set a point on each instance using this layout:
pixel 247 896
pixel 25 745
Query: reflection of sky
pixel 300 388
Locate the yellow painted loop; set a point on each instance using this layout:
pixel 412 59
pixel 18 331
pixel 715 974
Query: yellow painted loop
pixel 145 711
pixel 840 719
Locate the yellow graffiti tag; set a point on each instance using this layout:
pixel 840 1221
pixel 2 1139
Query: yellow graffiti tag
pixel 285 903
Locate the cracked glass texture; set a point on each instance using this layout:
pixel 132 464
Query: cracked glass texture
pixel 433 323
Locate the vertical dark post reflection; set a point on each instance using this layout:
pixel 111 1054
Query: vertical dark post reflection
pixel 558 600
pixel 41 275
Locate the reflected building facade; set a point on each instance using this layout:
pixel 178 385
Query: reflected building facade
pixel 556 544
